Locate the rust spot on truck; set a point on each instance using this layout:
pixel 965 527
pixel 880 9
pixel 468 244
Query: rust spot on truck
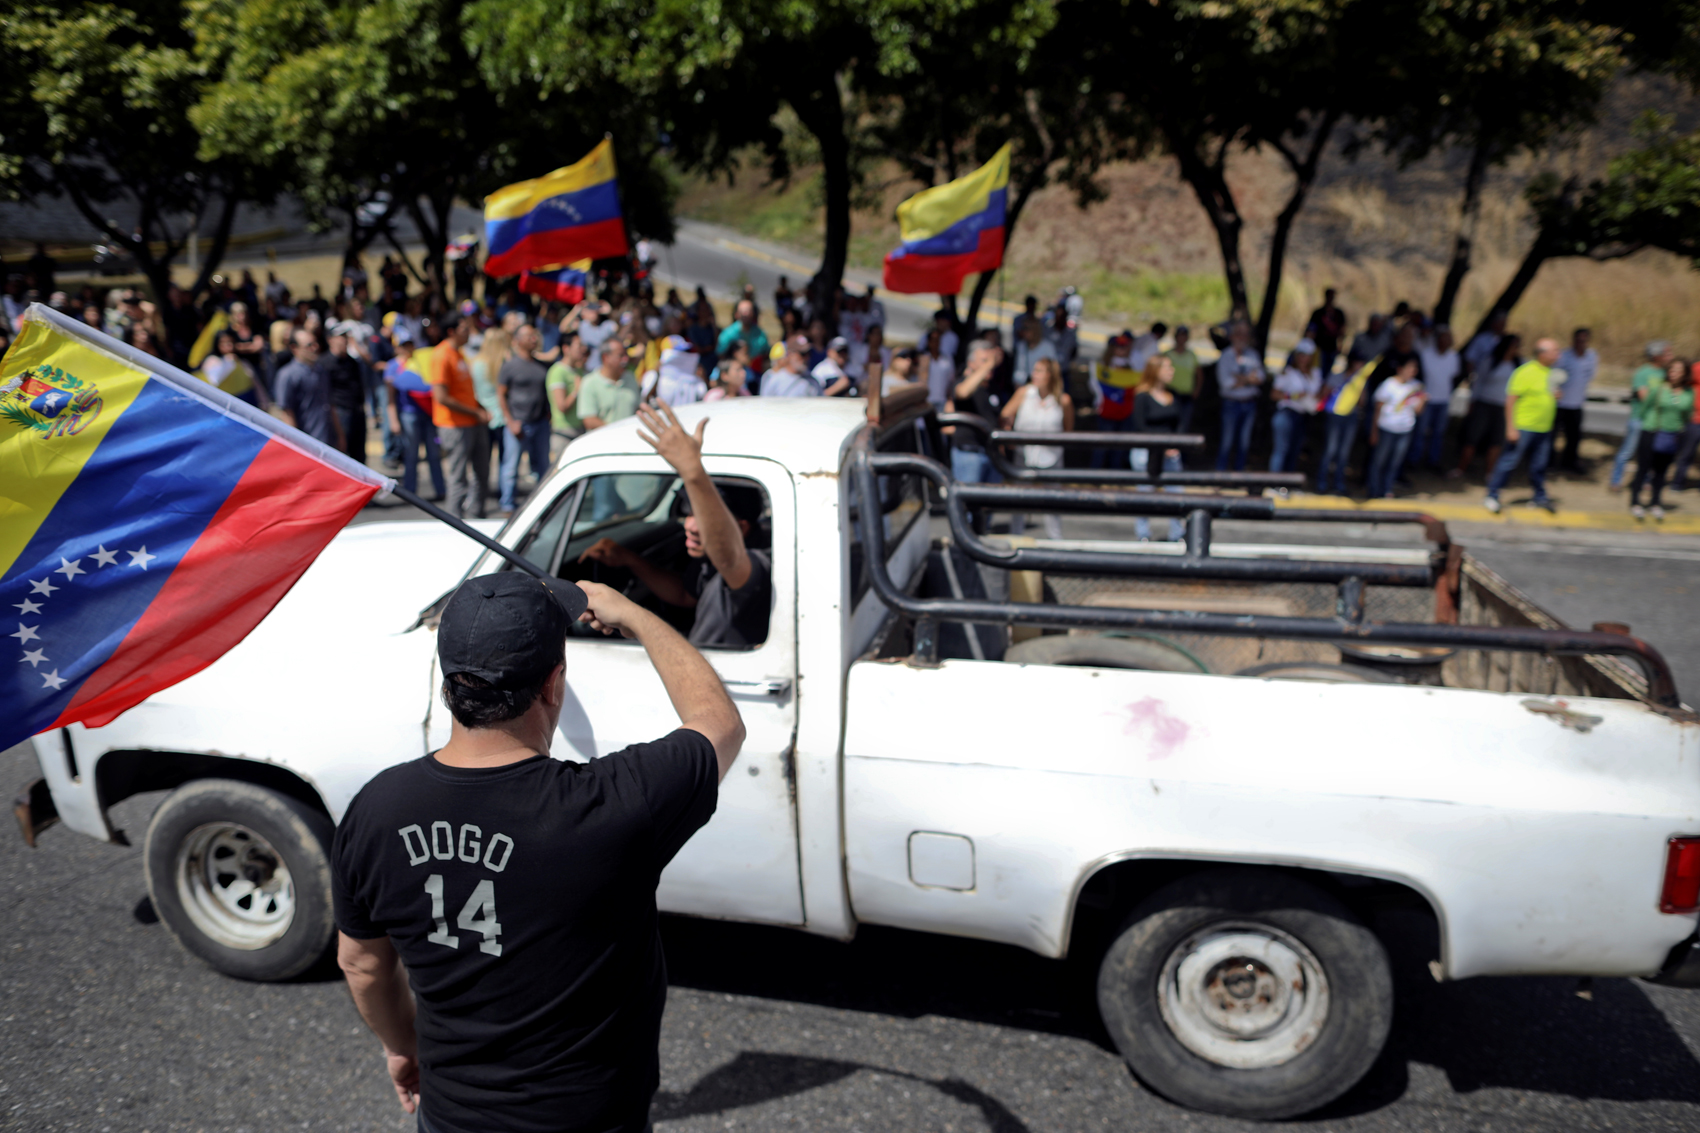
pixel 1559 712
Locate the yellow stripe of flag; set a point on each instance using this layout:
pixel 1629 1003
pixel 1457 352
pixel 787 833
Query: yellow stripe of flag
pixel 516 200
pixel 931 211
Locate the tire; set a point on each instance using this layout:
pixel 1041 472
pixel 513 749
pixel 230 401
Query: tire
pixel 1172 984
pixel 1095 651
pixel 1320 672
pixel 242 878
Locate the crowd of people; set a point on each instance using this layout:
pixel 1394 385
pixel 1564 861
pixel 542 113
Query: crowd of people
pixel 466 387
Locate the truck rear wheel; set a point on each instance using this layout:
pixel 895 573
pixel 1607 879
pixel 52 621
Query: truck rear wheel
pixel 1246 992
pixel 241 876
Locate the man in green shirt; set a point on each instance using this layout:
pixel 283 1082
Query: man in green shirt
pixel 563 383
pixel 1652 370
pixel 1531 406
pixel 611 393
pixel 1185 384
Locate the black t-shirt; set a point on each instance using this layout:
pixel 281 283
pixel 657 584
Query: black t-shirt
pixel 987 401
pixel 728 618
pixel 525 378
pixel 522 900
pixel 347 390
pixel 1152 416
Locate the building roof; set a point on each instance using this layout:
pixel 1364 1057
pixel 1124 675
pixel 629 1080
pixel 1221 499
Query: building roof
pixel 806 434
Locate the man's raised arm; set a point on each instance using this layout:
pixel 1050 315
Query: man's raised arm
pixel 722 542
pixel 692 685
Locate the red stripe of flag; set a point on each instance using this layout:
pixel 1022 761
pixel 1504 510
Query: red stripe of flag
pixel 281 514
pixel 599 241
pixel 943 275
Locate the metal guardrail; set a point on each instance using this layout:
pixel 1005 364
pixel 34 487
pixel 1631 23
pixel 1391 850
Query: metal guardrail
pixel 1348 625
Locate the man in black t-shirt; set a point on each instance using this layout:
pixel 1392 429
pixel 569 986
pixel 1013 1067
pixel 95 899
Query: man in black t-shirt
pixel 348 392
pixel 984 389
pixel 731 585
pixel 519 890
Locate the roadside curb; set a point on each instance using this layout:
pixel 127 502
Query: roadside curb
pixel 1514 515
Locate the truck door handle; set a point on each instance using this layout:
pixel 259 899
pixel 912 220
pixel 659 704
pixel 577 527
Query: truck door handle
pixel 771 686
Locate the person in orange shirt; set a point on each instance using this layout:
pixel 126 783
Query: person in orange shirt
pixel 460 420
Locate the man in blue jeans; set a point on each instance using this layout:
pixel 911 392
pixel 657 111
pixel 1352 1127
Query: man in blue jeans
pixel 1531 407
pixel 1239 373
pixel 522 385
pixel 984 390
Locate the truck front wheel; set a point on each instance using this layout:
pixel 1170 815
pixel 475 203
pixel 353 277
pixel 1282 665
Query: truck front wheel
pixel 1246 992
pixel 241 876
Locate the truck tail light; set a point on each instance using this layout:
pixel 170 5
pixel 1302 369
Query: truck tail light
pixel 1681 893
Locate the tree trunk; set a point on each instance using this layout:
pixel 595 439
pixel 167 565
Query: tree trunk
pixel 1304 176
pixel 822 112
pixel 220 241
pixel 1464 243
pixel 1210 185
pixel 156 269
pixel 1539 253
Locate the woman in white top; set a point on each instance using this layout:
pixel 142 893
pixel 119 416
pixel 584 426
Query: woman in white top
pixel 1295 391
pixel 1397 402
pixel 1040 406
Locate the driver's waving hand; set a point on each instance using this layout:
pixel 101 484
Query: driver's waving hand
pixel 730 585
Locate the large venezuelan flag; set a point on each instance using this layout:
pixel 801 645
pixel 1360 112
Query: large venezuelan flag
pixel 570 214
pixel 147 523
pixel 951 231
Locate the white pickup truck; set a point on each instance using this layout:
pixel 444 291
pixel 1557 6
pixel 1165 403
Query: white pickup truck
pixel 1205 763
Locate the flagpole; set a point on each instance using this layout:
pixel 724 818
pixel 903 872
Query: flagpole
pixel 469 531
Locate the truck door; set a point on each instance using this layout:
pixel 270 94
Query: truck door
pixel 743 864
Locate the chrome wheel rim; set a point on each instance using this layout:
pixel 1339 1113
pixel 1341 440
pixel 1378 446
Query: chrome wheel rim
pixel 235 886
pixel 1244 996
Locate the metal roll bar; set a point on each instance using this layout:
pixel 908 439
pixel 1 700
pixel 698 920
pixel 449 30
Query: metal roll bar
pixel 1348 625
pixel 1154 443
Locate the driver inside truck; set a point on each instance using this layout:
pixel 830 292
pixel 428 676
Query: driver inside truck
pixel 728 583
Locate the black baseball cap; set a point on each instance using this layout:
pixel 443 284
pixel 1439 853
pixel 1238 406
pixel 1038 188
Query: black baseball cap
pixel 509 628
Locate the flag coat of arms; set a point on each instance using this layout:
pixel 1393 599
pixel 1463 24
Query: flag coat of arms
pixel 148 522
pixel 951 231
pixel 570 214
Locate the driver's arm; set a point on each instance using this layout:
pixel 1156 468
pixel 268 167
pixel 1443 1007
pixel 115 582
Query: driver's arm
pixel 666 585
pixel 721 539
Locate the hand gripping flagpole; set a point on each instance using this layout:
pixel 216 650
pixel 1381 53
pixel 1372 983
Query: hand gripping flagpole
pixel 469 531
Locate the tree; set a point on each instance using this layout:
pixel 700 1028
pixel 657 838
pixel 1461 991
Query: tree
pixel 1649 198
pixel 380 109
pixel 1208 77
pixel 97 111
pixel 1497 77
pixel 970 79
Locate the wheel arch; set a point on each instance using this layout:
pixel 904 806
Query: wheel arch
pixel 124 772
pixel 1107 889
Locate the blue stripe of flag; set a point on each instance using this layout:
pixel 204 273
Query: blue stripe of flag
pixel 964 235
pixel 569 210
pixel 164 469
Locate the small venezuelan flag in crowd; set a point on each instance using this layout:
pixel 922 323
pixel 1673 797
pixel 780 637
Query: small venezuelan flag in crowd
pixel 148 522
pixel 951 231
pixel 570 214
pixel 559 284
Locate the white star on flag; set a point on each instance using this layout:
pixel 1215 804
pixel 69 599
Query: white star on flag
pixel 34 657
pixel 27 607
pixel 25 633
pixel 104 557
pixel 69 568
pixel 52 680
pixel 45 586
pixel 141 558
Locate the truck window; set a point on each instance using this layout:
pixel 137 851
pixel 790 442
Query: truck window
pixel 643 513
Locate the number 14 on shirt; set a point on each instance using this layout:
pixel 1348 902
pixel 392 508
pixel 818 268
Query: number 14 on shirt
pixel 477 915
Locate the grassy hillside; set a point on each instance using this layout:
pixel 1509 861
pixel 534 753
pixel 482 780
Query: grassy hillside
pixel 1379 232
